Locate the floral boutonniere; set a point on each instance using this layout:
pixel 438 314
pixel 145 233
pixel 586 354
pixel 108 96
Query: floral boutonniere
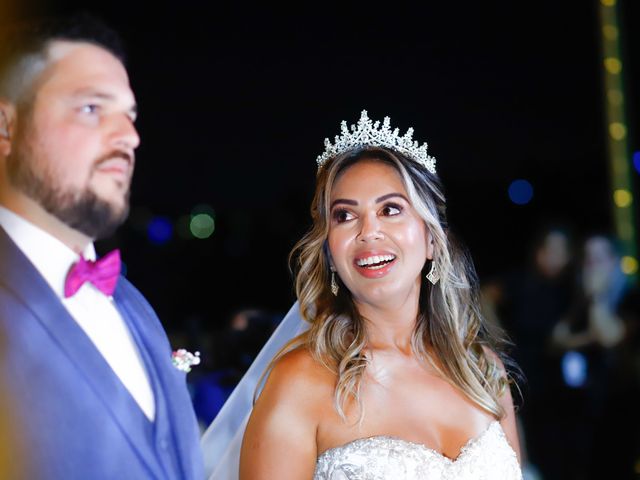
pixel 183 359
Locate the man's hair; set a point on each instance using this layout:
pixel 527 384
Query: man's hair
pixel 24 47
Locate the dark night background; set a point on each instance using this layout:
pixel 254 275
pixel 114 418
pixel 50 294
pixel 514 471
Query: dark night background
pixel 235 101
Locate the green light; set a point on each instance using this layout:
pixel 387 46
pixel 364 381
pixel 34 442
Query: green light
pixel 202 225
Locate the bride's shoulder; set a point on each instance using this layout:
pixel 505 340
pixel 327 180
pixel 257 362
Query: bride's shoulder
pixel 298 372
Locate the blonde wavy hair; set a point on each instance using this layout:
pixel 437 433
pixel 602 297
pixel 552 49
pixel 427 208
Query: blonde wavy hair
pixel 450 332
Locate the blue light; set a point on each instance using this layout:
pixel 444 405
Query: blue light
pixel 520 192
pixel 574 369
pixel 636 161
pixel 159 230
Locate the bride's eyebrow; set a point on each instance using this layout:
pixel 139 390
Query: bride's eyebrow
pixel 345 201
pixel 391 195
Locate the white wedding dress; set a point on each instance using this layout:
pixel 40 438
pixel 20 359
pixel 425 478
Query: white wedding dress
pixel 488 456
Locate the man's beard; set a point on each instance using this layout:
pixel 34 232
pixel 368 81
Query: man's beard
pixel 80 209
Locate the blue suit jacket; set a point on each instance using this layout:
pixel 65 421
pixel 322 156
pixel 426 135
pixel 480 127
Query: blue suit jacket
pixel 77 419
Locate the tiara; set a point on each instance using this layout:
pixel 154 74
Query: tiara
pixel 368 133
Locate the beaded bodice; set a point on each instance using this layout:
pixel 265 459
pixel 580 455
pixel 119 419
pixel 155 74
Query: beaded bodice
pixel 488 456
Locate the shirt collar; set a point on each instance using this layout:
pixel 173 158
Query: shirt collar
pixel 50 256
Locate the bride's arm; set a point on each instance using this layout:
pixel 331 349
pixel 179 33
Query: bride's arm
pixel 280 439
pixel 508 422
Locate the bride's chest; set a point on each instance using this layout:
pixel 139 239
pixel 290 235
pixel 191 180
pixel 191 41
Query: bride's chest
pixel 425 411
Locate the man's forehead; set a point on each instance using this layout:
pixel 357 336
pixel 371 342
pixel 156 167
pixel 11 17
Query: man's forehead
pixel 85 65
pixel 58 49
pixel 67 50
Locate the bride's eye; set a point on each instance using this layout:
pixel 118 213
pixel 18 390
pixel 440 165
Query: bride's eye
pixel 341 215
pixel 391 209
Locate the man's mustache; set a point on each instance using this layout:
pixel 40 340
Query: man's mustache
pixel 115 154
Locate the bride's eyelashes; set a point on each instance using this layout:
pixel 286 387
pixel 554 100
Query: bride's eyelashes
pixel 389 209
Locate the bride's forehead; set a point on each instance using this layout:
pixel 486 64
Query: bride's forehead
pixel 367 176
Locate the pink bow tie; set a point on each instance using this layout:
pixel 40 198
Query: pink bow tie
pixel 103 274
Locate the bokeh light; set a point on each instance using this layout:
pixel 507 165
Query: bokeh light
pixel 202 225
pixel 617 130
pixel 629 265
pixel 159 230
pixel 520 192
pixel 574 369
pixel 636 161
pixel 613 65
pixel 622 198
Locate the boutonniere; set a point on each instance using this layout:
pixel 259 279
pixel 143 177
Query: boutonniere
pixel 183 359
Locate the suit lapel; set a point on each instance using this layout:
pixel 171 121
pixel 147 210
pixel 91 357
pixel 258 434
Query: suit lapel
pixel 174 424
pixel 19 276
pixel 134 317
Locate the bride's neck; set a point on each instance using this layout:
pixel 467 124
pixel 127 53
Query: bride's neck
pixel 390 326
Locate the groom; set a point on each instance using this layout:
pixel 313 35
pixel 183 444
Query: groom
pixel 86 359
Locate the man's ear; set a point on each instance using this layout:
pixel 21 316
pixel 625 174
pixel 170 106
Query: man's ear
pixel 7 126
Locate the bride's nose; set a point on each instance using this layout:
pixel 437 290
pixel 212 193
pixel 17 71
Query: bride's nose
pixel 370 228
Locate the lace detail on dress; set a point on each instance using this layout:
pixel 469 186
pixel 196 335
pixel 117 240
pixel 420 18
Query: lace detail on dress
pixel 487 457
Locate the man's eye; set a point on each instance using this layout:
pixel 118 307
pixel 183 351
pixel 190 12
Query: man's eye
pixel 90 108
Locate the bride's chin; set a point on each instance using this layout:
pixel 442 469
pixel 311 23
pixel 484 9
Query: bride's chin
pixel 377 296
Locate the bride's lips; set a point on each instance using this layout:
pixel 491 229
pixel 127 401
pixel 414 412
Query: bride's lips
pixel 374 263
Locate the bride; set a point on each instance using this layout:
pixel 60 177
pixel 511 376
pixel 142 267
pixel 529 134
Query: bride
pixel 398 376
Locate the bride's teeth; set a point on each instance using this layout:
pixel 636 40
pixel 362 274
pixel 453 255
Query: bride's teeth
pixel 374 260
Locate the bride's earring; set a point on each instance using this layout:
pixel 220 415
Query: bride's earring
pixel 433 276
pixel 334 284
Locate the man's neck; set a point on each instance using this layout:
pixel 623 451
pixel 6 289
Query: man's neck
pixel 31 211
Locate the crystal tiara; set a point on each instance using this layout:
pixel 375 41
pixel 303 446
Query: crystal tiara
pixel 367 133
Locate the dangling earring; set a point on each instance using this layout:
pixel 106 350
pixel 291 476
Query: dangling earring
pixel 433 276
pixel 334 284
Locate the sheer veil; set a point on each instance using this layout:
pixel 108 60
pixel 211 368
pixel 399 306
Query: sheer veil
pixel 222 440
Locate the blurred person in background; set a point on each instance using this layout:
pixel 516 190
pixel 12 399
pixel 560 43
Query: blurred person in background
pixel 230 354
pixel 529 303
pixel 590 378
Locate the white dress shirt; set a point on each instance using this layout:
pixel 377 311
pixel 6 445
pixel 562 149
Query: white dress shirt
pixel 95 312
